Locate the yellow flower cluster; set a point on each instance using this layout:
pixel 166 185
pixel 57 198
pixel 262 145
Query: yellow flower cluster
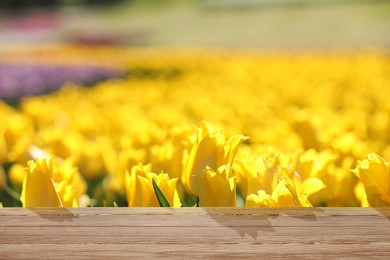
pixel 51 183
pixel 140 191
pixel 296 130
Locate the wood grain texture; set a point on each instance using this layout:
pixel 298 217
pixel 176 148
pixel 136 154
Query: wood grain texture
pixel 106 233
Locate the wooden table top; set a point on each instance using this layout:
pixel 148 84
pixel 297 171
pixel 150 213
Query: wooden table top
pixel 106 233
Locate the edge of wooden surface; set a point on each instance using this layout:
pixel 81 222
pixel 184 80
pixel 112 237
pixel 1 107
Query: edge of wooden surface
pixel 47 233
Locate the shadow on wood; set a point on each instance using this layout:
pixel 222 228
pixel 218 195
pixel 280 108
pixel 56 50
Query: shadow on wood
pixel 254 222
pixel 54 214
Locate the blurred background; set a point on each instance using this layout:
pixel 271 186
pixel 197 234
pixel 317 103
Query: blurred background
pixel 201 23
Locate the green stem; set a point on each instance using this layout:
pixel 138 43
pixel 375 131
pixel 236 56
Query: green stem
pixel 13 194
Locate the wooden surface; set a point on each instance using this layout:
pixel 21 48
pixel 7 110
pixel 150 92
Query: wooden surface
pixel 107 233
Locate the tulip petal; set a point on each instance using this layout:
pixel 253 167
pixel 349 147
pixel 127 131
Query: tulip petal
pixel 261 199
pixel 312 185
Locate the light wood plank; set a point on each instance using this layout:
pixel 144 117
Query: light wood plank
pixel 90 233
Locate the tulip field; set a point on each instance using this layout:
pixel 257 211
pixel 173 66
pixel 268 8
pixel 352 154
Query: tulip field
pixel 149 127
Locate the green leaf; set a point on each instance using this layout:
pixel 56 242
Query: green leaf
pixel 162 200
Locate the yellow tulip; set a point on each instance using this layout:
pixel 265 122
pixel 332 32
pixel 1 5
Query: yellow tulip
pixel 38 185
pixel 286 196
pixel 52 182
pixel 288 193
pixel 139 187
pixel 309 186
pixel 138 195
pixel 260 173
pixel 374 174
pixel 302 190
pixel 126 160
pixel 324 166
pixel 69 183
pixel 261 199
pixel 210 150
pixel 216 188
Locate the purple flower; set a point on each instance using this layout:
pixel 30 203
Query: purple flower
pixel 18 80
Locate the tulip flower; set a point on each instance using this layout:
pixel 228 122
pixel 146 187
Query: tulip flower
pixel 272 181
pixel 260 173
pixel 210 150
pixel 69 183
pixel 317 133
pixel 288 193
pixel 374 174
pixel 261 199
pixel 216 188
pixel 139 187
pixel 52 182
pixel 38 185
pixel 126 160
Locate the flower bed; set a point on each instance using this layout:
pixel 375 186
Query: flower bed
pixel 208 128
pixel 19 80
